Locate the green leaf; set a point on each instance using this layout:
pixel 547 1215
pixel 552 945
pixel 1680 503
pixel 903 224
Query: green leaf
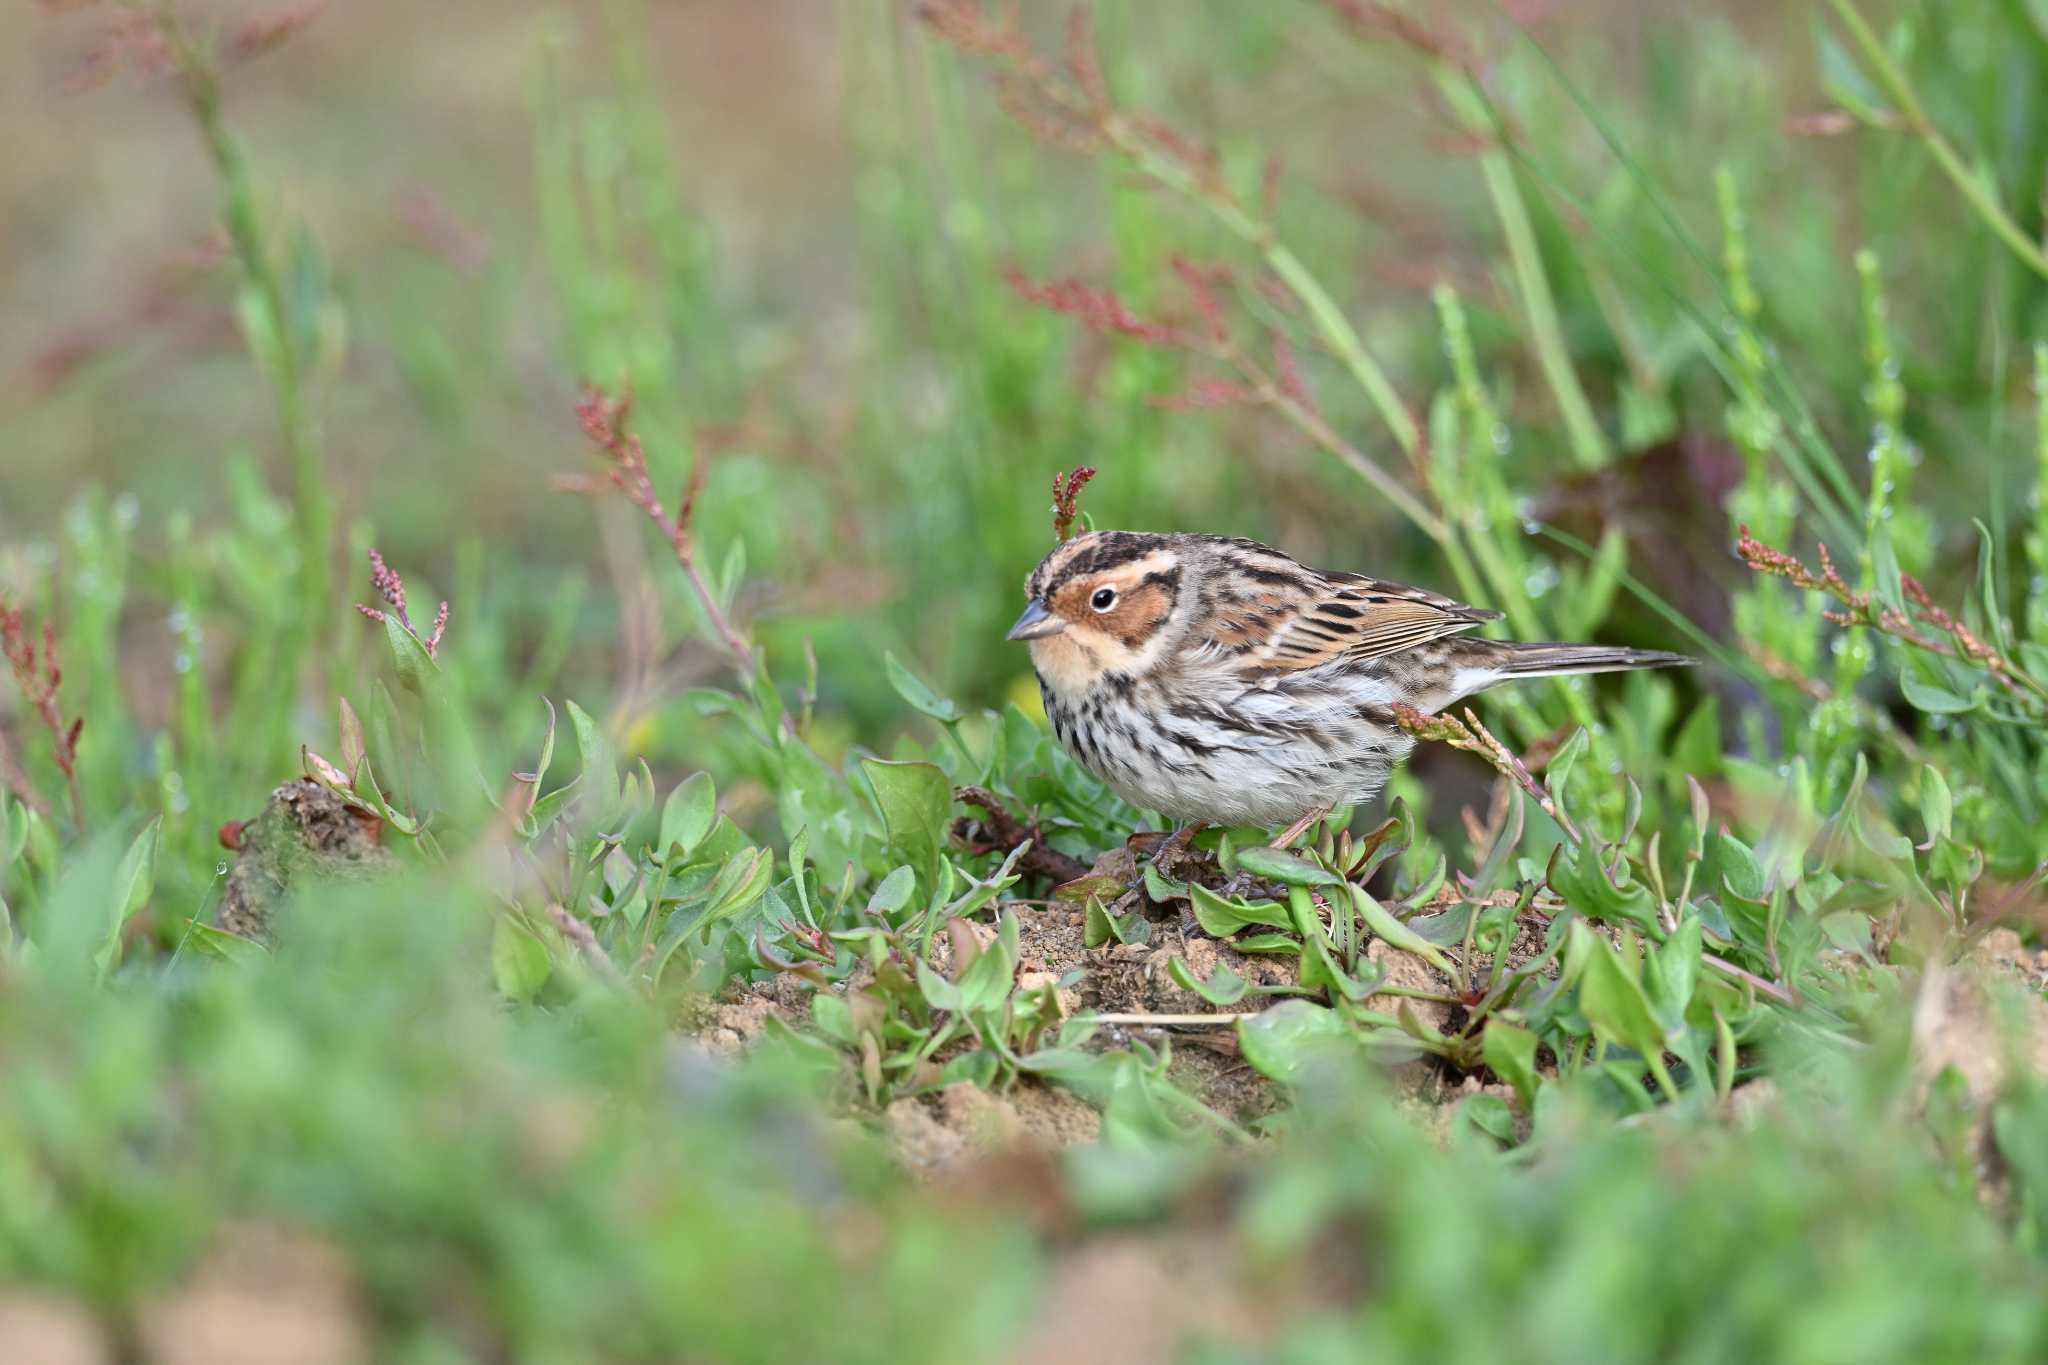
pixel 1490 1115
pixel 134 880
pixel 986 981
pixel 350 726
pixel 893 893
pixel 1224 988
pixel 1276 865
pixel 938 992
pixel 219 943
pixel 1159 889
pixel 687 814
pixel 1396 934
pixel 1221 918
pixel 14 818
pixel 1741 873
pixel 520 963
pixel 916 801
pixel 1510 1050
pixel 1612 1000
pixel 1987 590
pixel 740 883
pixel 1294 1037
pixel 1101 926
pixel 1937 807
pixel 1089 888
pixel 1933 699
pixel 1696 749
pixel 1672 972
pixel 1577 875
pixel 1267 943
pixel 1559 769
pixel 913 690
pixel 600 779
pixel 1319 968
pixel 834 1018
pixel 417 671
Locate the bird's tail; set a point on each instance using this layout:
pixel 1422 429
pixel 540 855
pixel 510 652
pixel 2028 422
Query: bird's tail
pixel 1482 663
pixel 1515 659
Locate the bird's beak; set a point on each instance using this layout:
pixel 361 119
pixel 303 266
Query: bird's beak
pixel 1036 623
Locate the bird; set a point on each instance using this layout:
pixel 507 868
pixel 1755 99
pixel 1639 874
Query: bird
pixel 1218 681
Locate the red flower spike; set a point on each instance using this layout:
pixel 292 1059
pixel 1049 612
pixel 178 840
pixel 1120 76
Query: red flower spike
pixel 1065 490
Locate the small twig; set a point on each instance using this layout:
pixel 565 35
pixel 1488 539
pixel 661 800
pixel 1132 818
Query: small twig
pixel 578 933
pixel 39 680
pixel 1475 738
pixel 1005 832
pixel 604 420
pixel 1173 1020
pixel 1753 981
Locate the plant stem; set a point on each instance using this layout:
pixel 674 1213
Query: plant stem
pixel 1981 196
pixel 1174 1020
pixel 1312 424
pixel 1331 325
pixel 1588 444
pixel 238 212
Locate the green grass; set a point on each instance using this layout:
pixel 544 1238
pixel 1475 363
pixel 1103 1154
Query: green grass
pixel 1441 305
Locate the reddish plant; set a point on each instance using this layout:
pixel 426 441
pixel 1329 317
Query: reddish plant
pixel 1066 490
pixel 152 40
pixel 1918 626
pixel 39 674
pixel 605 422
pixel 1071 104
pixel 1099 310
pixel 1204 331
pixel 391 588
pixel 422 213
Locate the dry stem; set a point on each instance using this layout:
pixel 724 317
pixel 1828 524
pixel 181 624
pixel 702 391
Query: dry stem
pixel 604 421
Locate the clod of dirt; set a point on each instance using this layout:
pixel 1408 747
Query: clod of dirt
pixel 49 1330
pixel 1978 1026
pixel 962 1121
pixel 1964 1021
pixel 1209 1067
pixel 1411 973
pixel 2002 950
pixel 305 831
pixel 266 1294
pixel 1125 1299
pixel 1750 1104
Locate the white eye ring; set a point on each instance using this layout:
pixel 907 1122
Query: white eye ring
pixel 1104 599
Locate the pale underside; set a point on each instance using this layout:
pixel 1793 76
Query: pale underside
pixel 1257 755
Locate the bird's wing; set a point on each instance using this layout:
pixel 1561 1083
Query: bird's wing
pixel 1329 617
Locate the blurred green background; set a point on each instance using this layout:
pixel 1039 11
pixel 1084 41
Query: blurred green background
pixel 789 224
pixel 1588 285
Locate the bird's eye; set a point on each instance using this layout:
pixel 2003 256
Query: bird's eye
pixel 1104 599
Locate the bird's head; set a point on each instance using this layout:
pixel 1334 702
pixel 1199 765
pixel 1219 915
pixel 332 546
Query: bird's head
pixel 1101 603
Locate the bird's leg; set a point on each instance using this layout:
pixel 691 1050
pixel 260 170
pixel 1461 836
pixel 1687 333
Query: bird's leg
pixel 1176 847
pixel 1293 831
